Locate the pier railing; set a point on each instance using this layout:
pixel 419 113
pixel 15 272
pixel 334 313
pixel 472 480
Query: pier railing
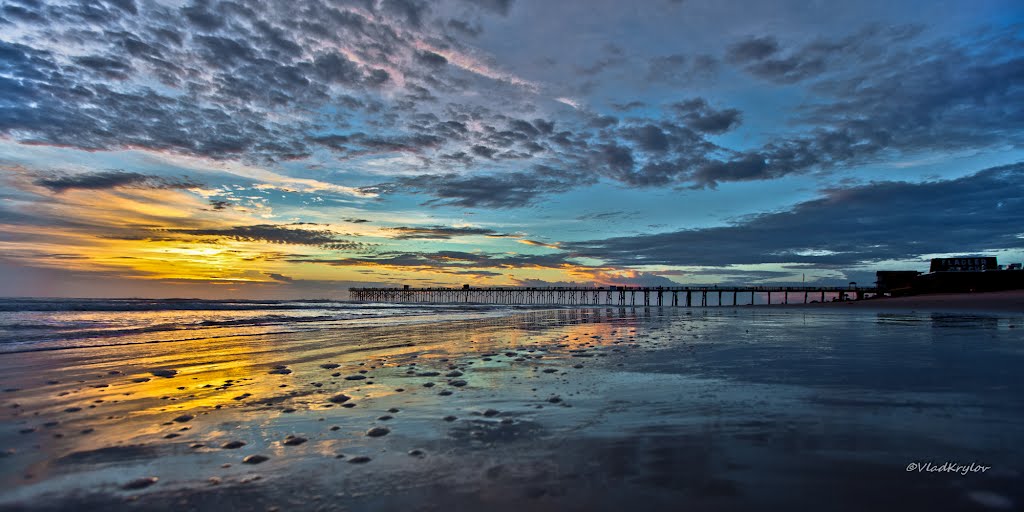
pixel 617 296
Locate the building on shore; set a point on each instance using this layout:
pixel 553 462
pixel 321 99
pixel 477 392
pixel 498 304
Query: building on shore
pixel 952 275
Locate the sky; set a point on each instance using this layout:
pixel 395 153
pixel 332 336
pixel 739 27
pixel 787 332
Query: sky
pixel 295 148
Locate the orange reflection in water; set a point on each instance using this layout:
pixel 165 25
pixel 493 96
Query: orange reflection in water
pixel 116 397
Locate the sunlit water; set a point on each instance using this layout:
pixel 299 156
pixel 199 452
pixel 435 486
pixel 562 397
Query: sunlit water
pixel 47 324
pixel 569 409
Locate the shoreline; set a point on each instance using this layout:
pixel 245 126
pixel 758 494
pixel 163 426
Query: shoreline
pixel 1011 301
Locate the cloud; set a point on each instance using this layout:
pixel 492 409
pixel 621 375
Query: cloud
pixel 447 260
pixel 279 277
pixel 539 244
pixel 498 6
pixel 845 227
pixel 439 232
pixel 680 69
pixel 310 85
pixel 274 234
pixel 589 278
pixel 701 117
pixel 430 58
pixel 508 190
pixel 753 49
pixel 112 179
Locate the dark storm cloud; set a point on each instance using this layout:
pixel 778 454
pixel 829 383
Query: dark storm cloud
pixel 112 179
pixel 439 232
pixel 847 227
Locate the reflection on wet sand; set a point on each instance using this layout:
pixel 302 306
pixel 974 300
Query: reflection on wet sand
pixel 580 409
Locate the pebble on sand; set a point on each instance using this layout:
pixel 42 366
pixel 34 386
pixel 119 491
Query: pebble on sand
pixel 491 412
pixel 362 459
pixel 355 377
pixel 378 432
pixel 140 483
pixel 255 459
pixel 454 373
pixel 184 417
pixel 294 441
pixel 340 398
pixel 450 418
pixel 231 445
pixel 457 383
pixel 164 373
pixel 280 371
pixel 329 366
pixel 416 453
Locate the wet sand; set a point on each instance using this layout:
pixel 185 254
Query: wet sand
pixel 589 409
pixel 1007 301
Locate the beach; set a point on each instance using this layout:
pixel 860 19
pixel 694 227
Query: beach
pixel 732 408
pixel 1011 301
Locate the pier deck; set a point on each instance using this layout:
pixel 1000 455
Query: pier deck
pixel 688 296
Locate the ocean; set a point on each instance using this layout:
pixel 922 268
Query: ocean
pixel 30 324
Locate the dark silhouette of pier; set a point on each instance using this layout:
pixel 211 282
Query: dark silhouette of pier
pixel 686 296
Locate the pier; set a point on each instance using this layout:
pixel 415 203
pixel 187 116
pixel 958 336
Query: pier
pixel 674 296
